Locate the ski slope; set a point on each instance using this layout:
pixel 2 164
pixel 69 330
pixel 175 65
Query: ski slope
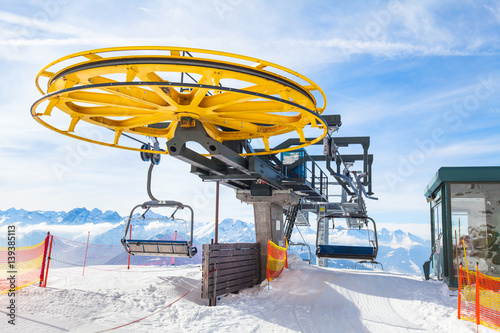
pixel 304 299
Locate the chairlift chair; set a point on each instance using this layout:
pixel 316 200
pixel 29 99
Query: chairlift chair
pixel 302 245
pixel 167 248
pixel 366 254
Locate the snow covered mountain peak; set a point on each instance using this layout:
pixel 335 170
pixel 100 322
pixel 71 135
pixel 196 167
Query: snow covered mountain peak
pixel 230 230
pixel 399 250
pixel 398 239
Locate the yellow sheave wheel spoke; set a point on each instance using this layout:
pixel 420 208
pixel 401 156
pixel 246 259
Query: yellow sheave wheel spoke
pixel 227 98
pixel 108 100
pixel 107 111
pixel 169 95
pixel 127 94
pixel 255 107
pixel 198 94
pixel 136 94
pixel 139 121
pixel 268 119
pixel 104 111
pixel 156 132
pixel 96 116
pixel 251 128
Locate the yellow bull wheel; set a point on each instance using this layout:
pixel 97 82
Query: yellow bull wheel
pixel 232 96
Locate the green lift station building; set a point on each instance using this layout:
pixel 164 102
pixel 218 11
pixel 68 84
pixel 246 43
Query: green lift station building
pixel 465 221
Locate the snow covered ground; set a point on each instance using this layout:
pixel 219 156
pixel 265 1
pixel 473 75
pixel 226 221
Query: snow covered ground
pixel 303 299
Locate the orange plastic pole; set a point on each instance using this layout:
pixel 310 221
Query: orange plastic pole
pixel 286 253
pixel 466 263
pixel 85 260
pixel 48 262
pixel 459 290
pixel 478 320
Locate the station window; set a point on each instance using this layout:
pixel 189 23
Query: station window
pixel 475 218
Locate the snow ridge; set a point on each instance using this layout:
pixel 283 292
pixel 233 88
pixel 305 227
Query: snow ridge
pixel 399 251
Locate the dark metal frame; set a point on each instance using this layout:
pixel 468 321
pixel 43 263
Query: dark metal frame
pixel 370 259
pixel 190 250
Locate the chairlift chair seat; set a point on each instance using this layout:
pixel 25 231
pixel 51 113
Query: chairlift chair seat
pixel 166 248
pixel 346 252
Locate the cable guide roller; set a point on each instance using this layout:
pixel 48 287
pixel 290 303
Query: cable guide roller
pixel 167 248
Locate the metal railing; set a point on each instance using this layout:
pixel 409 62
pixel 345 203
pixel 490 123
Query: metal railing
pixel 321 179
pixel 313 175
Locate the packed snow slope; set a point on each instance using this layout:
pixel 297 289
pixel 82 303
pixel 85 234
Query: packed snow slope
pixel 303 299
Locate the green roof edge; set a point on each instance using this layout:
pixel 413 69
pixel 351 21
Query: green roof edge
pixel 463 174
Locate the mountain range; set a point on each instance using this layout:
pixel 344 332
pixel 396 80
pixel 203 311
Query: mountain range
pixel 399 251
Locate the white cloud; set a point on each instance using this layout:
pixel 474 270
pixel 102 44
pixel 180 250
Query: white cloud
pixel 285 34
pixel 470 148
pixel 494 10
pixel 40 21
pixel 76 231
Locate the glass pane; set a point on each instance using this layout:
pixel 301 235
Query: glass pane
pixel 475 215
pixel 437 260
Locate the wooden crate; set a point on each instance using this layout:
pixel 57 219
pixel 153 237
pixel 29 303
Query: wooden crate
pixel 237 266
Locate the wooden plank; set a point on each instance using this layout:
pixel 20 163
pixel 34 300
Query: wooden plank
pixel 250 270
pixel 229 253
pixel 231 246
pixel 223 252
pixel 242 263
pixel 259 277
pixel 231 289
pixel 238 267
pixel 231 259
pixel 236 276
pixel 228 290
pixel 229 271
pixel 232 283
pixel 214 284
pixel 206 270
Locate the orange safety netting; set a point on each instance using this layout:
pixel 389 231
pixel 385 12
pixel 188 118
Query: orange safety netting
pixel 479 298
pixel 71 258
pixel 276 260
pixel 26 269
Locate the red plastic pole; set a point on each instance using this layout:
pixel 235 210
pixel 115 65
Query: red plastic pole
pixel 85 260
pixel 478 320
pixel 48 262
pixel 45 246
pixel 216 213
pixel 459 290
pixel 129 237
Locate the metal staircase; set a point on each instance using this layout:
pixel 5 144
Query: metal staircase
pixel 302 219
pixel 290 220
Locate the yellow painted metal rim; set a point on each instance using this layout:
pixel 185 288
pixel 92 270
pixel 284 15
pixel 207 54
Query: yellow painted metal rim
pixel 270 117
pixel 179 49
pixel 37 117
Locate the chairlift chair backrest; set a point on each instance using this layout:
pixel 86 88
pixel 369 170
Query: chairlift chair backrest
pixel 168 248
pixel 348 252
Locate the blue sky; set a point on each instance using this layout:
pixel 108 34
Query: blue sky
pixel 422 79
